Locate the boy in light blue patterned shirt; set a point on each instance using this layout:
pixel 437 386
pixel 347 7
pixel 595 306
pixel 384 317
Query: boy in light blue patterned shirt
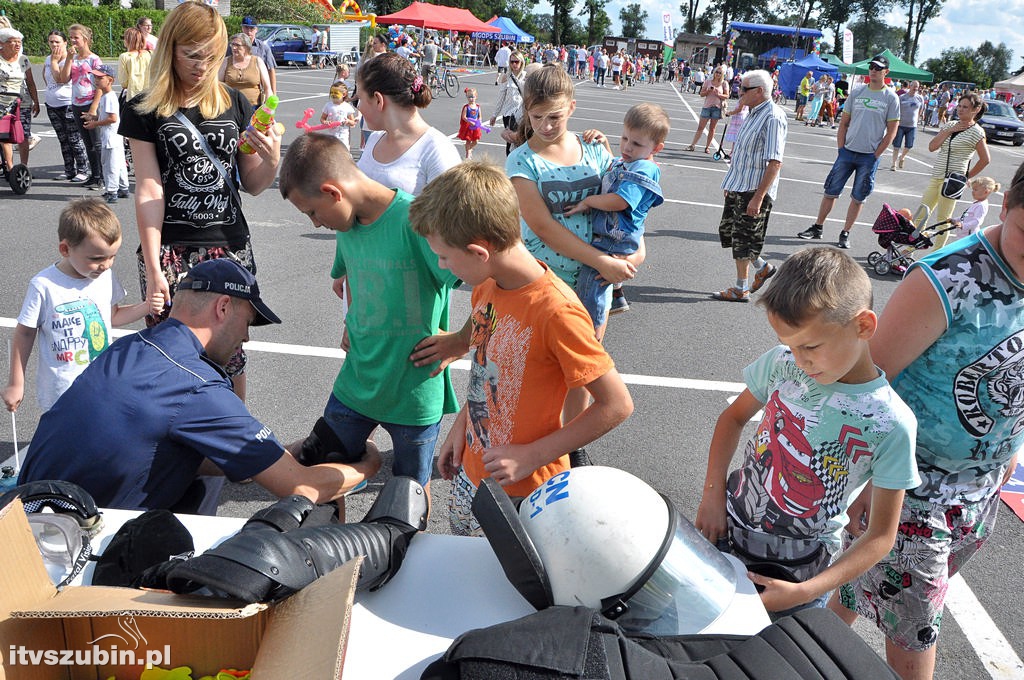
pixel 830 424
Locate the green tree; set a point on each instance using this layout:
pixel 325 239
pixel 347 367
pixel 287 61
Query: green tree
pixel 522 12
pixel 705 23
pixel 689 10
pixel 561 24
pixel 280 11
pixel 994 61
pixel 834 15
pixel 919 13
pixel 597 21
pixel 544 24
pixel 872 36
pixel 633 19
pixel 958 63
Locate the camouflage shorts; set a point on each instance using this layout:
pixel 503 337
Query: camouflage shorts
pixel 904 593
pixel 740 232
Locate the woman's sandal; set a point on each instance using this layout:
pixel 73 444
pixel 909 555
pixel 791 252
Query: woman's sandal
pixel 706 150
pixel 690 148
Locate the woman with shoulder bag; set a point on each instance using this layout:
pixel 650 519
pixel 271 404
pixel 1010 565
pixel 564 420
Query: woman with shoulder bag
pixel 510 99
pixel 184 134
pixel 956 142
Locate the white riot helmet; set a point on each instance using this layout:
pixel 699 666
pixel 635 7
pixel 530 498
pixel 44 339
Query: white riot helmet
pixel 606 540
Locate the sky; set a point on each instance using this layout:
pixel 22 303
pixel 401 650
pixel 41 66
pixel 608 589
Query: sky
pixel 963 23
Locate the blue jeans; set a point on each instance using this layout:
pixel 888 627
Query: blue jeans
pixel 848 163
pixel 595 295
pixel 413 444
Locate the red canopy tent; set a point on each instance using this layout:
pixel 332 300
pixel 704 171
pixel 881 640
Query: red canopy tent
pixel 439 17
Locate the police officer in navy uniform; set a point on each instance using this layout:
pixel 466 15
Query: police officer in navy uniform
pixel 154 416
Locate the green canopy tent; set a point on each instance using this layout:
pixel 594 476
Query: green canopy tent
pixel 834 60
pixel 898 69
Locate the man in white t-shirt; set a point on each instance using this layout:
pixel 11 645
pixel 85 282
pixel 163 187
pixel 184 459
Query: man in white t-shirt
pixel 406 51
pixel 501 58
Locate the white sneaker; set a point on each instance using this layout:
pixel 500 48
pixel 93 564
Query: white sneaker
pixel 33 141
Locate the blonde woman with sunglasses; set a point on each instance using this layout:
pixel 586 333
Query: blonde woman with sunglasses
pixel 187 201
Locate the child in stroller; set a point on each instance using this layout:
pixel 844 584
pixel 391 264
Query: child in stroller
pixel 12 133
pixel 900 238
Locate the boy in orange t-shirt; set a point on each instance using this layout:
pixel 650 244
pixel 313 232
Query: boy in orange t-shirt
pixel 531 342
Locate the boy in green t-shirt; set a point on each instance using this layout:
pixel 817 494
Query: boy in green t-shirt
pixel 398 296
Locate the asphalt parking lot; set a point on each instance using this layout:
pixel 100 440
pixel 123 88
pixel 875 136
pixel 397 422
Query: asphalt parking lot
pixel 681 352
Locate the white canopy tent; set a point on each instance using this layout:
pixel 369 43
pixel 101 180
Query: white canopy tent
pixel 1014 84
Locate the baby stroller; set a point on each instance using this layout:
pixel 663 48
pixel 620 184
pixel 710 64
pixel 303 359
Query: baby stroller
pixel 11 132
pixel 900 238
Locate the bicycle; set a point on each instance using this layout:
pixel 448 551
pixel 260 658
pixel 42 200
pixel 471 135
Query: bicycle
pixel 441 78
pixel 779 98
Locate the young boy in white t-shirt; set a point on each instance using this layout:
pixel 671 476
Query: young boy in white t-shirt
pixel 71 305
pixel 115 168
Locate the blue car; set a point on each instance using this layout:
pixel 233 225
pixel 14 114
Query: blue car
pixel 1001 123
pixel 285 38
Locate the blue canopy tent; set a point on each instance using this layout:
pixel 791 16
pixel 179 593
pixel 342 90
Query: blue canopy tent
pixel 781 54
pixel 792 73
pixel 776 30
pixel 508 31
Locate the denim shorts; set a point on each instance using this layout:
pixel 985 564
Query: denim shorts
pixel 712 112
pixel 595 295
pixel 848 163
pixel 413 444
pixel 904 137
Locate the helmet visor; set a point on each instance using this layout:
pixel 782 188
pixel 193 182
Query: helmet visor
pixel 694 584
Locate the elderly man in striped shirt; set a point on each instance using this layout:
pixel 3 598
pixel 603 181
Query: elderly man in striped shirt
pixel 751 184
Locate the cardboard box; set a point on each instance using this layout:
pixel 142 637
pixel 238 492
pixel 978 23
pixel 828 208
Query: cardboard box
pixel 50 635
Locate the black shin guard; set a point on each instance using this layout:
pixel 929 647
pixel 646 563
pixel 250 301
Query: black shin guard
pixel 265 564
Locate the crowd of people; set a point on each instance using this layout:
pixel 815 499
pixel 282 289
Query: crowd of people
pixel 543 242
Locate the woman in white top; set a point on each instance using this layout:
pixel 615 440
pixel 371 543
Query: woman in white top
pixel 17 83
pixel 58 110
pixel 617 70
pixel 403 151
pixel 956 142
pixel 510 99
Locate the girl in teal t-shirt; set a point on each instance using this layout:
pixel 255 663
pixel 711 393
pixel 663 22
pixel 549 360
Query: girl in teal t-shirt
pixel 554 170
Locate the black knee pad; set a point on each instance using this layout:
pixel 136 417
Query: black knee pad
pixel 323 446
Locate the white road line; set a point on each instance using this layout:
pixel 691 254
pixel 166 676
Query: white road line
pixel 989 643
pixel 463 365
